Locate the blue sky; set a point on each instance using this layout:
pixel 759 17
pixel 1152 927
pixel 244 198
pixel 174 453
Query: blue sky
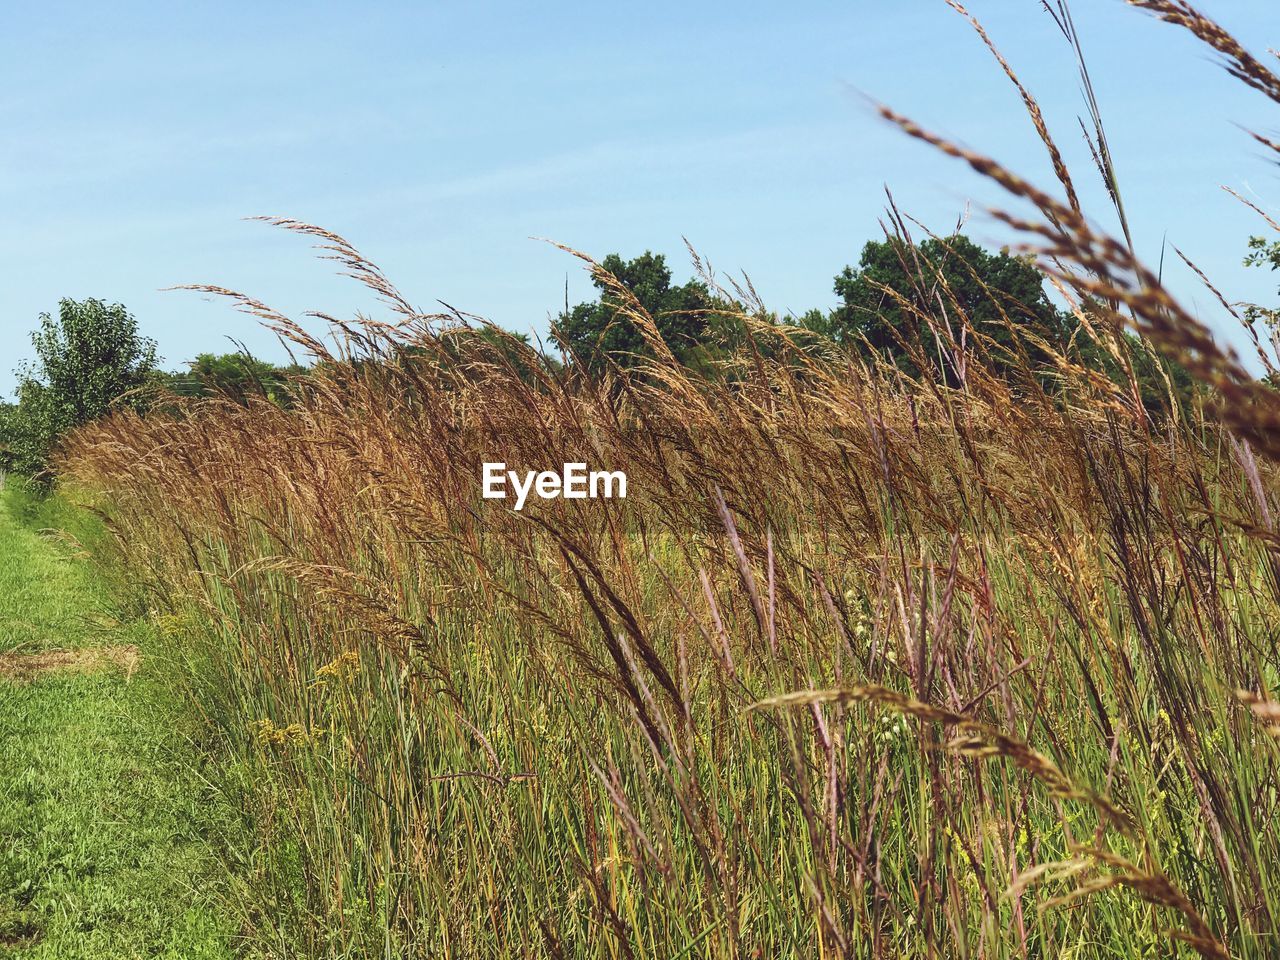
pixel 440 137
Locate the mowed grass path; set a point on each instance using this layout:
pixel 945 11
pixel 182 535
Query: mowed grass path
pixel 103 822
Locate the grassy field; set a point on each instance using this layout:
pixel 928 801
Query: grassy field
pixel 43 598
pixel 104 822
pixel 861 666
pixel 979 663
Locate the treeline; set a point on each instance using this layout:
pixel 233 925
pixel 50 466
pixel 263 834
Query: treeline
pixel 903 305
pixel 899 306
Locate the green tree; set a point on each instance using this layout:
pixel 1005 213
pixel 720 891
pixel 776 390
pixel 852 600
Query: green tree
pixel 89 358
pixel 1263 253
pixel 1157 377
pixel 8 435
pixel 596 334
pixel 236 376
pixel 896 284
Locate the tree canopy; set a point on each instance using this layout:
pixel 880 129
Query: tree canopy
pixel 885 299
pixel 596 335
pixel 235 376
pixel 89 358
pixel 1263 253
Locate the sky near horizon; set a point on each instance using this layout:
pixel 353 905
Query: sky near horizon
pixel 440 138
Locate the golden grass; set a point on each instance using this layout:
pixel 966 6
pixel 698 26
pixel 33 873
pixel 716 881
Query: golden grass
pixel 676 724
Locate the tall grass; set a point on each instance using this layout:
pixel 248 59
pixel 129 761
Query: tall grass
pixel 863 666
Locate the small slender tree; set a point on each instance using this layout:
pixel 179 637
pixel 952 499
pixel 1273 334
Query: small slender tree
pixel 89 358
